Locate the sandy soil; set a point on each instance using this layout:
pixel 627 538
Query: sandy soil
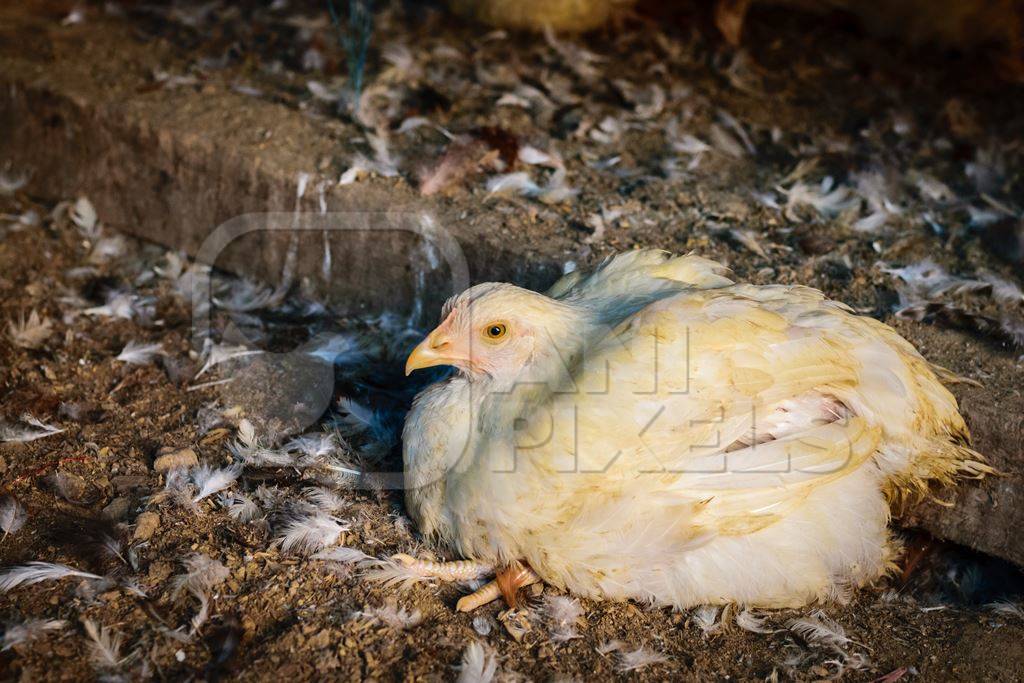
pixel 888 123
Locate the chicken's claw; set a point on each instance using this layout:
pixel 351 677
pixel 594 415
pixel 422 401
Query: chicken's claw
pixel 507 584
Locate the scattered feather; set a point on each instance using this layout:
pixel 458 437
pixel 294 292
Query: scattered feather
pixel 12 515
pixel 824 199
pixel 209 480
pixel 83 215
pixel 748 621
pixel 336 349
pixel 245 296
pixel 706 619
pixel 1007 608
pixel 927 281
pixel 215 354
pixel 343 555
pixel 314 448
pixel 1003 290
pixel 11 183
pixel 820 628
pixel 139 354
pixel 202 574
pixel 641 657
pixel 396 617
pixel 19 634
pixel 36 572
pixel 30 333
pixel 36 430
pixel 513 183
pixel 307 535
pixel 239 506
pixel 392 573
pixel 933 189
pixel 105 648
pixel 564 614
pixel 108 249
pixel 482 625
pixel 122 305
pixel 324 499
pixel 478 665
pixel 723 141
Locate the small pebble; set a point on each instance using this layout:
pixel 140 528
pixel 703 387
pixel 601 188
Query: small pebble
pixel 146 525
pixel 169 458
pixel 116 509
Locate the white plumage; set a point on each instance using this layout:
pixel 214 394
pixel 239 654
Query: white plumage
pixel 653 431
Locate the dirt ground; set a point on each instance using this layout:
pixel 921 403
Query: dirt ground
pixel 923 152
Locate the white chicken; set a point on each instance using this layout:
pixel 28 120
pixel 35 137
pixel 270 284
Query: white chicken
pixel 653 431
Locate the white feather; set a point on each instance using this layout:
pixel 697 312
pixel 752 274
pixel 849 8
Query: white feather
pixel 260 456
pixel 482 625
pixel 209 480
pixel 392 573
pixel 202 573
pixel 748 621
pixel 336 349
pixel 392 615
pixel 122 305
pixel 105 648
pixel 200 617
pixel 12 515
pixel 564 614
pixel 1007 608
pixel 25 434
pixel 822 198
pixel 12 182
pixel 641 657
pixel 324 499
pixel 30 333
pixel 478 664
pixel 819 628
pixel 83 215
pixel 311 533
pixel 314 446
pixel 17 634
pixel 239 506
pixel 357 417
pixel 342 554
pixel 706 619
pixel 215 354
pixel 35 572
pixel 139 354
pixel 513 183
pixel 245 295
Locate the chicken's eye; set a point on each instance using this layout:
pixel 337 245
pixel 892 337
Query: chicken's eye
pixel 495 331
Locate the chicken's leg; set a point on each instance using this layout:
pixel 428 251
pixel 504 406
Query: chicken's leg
pixel 460 570
pixel 507 583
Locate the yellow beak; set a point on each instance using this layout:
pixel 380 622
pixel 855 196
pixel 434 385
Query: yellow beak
pixel 432 351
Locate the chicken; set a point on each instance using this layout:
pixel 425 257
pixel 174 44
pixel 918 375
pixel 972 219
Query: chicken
pixel 653 431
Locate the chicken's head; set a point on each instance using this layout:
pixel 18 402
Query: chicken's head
pixel 493 331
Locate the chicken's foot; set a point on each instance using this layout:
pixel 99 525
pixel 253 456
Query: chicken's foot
pixel 506 584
